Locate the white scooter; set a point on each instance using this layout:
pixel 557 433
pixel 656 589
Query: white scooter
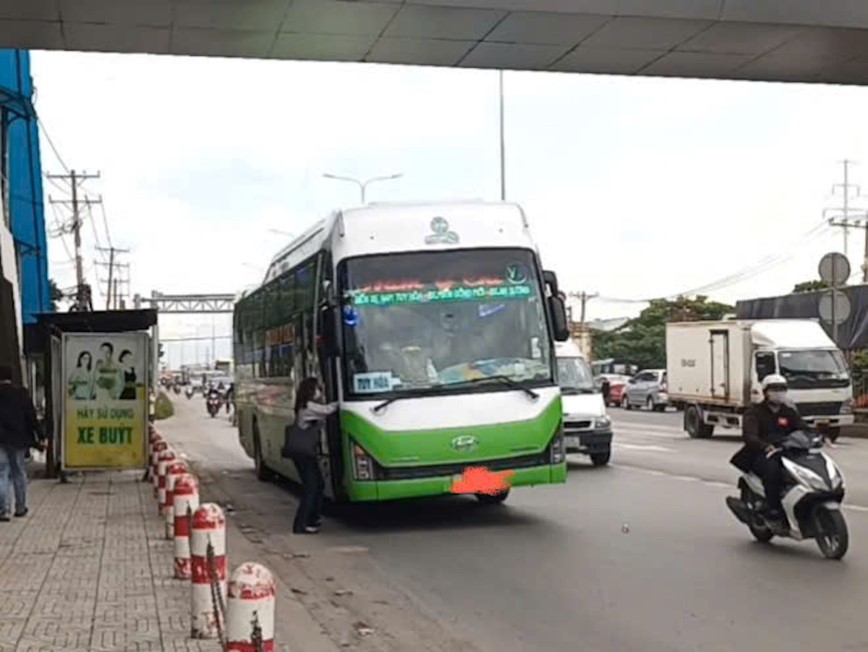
pixel 813 493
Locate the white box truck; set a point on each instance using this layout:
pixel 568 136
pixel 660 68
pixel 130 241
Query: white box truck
pixel 715 370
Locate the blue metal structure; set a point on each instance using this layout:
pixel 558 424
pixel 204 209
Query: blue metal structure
pixel 26 208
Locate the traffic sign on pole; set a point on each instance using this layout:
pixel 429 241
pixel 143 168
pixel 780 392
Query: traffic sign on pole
pixel 835 269
pixel 834 307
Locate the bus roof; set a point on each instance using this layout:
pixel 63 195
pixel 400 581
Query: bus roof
pixel 408 226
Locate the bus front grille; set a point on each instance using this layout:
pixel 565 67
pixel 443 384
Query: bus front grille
pixel 502 464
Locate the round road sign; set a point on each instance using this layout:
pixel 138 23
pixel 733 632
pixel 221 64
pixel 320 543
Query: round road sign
pixel 835 269
pixel 842 307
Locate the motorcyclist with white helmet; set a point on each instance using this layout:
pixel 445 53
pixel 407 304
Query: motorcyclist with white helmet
pixel 764 427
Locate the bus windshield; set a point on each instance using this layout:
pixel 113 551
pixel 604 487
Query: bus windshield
pixel 420 322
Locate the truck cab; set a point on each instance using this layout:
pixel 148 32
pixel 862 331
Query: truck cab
pixel 587 427
pixel 816 372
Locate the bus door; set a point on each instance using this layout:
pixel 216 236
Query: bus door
pixel 331 461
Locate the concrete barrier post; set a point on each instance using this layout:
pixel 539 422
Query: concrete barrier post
pixel 159 447
pixel 174 471
pixel 208 571
pixel 165 460
pixel 186 502
pixel 250 609
pixel 154 438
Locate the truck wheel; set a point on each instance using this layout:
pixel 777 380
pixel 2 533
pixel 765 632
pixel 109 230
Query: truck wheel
pixel 694 426
pixel 602 458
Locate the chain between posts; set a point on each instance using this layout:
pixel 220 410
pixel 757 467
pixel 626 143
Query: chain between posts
pixel 216 596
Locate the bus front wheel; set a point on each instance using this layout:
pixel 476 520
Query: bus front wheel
pixel 493 499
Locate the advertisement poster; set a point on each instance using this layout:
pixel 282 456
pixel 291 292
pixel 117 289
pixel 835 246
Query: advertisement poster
pixel 105 401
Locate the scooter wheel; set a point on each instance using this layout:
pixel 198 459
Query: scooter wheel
pixel 833 537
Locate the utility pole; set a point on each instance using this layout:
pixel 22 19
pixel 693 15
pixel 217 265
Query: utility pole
pixel 502 143
pixel 82 295
pixel 847 217
pixel 583 297
pixel 111 288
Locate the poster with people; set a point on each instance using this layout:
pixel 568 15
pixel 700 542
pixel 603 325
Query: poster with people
pixel 105 400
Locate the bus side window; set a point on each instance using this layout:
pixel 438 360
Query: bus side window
pixel 765 364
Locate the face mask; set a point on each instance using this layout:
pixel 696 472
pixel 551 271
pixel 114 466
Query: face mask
pixel 778 397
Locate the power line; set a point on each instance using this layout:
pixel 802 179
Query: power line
pixel 84 297
pixel 44 130
pixel 739 276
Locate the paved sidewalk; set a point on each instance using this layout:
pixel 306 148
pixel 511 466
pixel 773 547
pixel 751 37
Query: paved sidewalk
pixel 89 570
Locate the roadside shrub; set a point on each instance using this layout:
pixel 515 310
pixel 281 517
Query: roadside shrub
pixel 163 408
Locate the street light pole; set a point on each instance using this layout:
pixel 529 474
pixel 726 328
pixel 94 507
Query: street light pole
pixel 502 144
pixel 363 185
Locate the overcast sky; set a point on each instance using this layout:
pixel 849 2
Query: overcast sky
pixel 634 187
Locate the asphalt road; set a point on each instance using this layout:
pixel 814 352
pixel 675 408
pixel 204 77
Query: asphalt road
pixel 642 555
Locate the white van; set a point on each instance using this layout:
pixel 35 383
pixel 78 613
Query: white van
pixel 587 427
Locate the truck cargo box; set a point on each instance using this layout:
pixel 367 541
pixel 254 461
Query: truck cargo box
pixel 709 362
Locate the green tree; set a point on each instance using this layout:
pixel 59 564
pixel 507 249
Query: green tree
pixel 642 341
pixel 810 286
pixel 55 294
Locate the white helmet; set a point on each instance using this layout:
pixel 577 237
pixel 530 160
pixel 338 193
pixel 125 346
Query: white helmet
pixel 774 380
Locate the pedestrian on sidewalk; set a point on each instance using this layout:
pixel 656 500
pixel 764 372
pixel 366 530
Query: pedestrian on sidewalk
pixel 310 415
pixel 19 432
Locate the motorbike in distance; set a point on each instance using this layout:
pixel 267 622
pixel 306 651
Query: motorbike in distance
pixel 812 497
pixel 213 402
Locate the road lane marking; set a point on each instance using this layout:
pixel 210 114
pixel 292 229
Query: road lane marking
pixel 642 447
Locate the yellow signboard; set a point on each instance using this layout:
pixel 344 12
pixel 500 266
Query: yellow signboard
pixel 105 412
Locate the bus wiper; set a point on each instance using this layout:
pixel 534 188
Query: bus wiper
pixel 506 380
pixel 379 407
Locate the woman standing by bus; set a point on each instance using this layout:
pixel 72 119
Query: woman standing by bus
pixel 310 413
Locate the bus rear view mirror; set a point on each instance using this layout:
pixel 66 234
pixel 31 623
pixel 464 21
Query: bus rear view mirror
pixel 560 324
pixel 551 280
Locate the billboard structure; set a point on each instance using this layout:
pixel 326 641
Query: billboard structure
pixel 105 401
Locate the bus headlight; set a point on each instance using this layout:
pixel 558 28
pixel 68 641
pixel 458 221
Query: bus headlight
pixel 558 453
pixel 363 464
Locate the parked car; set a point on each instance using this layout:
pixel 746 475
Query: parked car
pixel 617 383
pixel 649 389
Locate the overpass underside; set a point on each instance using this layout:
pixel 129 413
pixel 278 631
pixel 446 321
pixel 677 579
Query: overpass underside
pixel 782 40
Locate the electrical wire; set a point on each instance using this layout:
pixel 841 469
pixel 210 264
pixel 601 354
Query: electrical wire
pixel 739 276
pixel 57 155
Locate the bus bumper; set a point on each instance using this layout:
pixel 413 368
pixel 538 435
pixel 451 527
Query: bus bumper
pixel 442 485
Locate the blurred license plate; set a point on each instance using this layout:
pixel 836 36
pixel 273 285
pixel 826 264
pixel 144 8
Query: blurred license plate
pixel 571 441
pixel 478 479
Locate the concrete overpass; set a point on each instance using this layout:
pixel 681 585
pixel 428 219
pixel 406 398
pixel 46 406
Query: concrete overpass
pixel 775 40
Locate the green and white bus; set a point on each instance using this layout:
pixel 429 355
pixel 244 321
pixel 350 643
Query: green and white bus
pixel 433 326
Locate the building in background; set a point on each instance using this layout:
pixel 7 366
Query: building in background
pixel 24 287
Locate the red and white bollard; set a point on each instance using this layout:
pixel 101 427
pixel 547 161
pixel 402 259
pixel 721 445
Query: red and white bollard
pixel 159 447
pixel 250 609
pixel 164 460
pixel 154 438
pixel 174 471
pixel 186 501
pixel 209 526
